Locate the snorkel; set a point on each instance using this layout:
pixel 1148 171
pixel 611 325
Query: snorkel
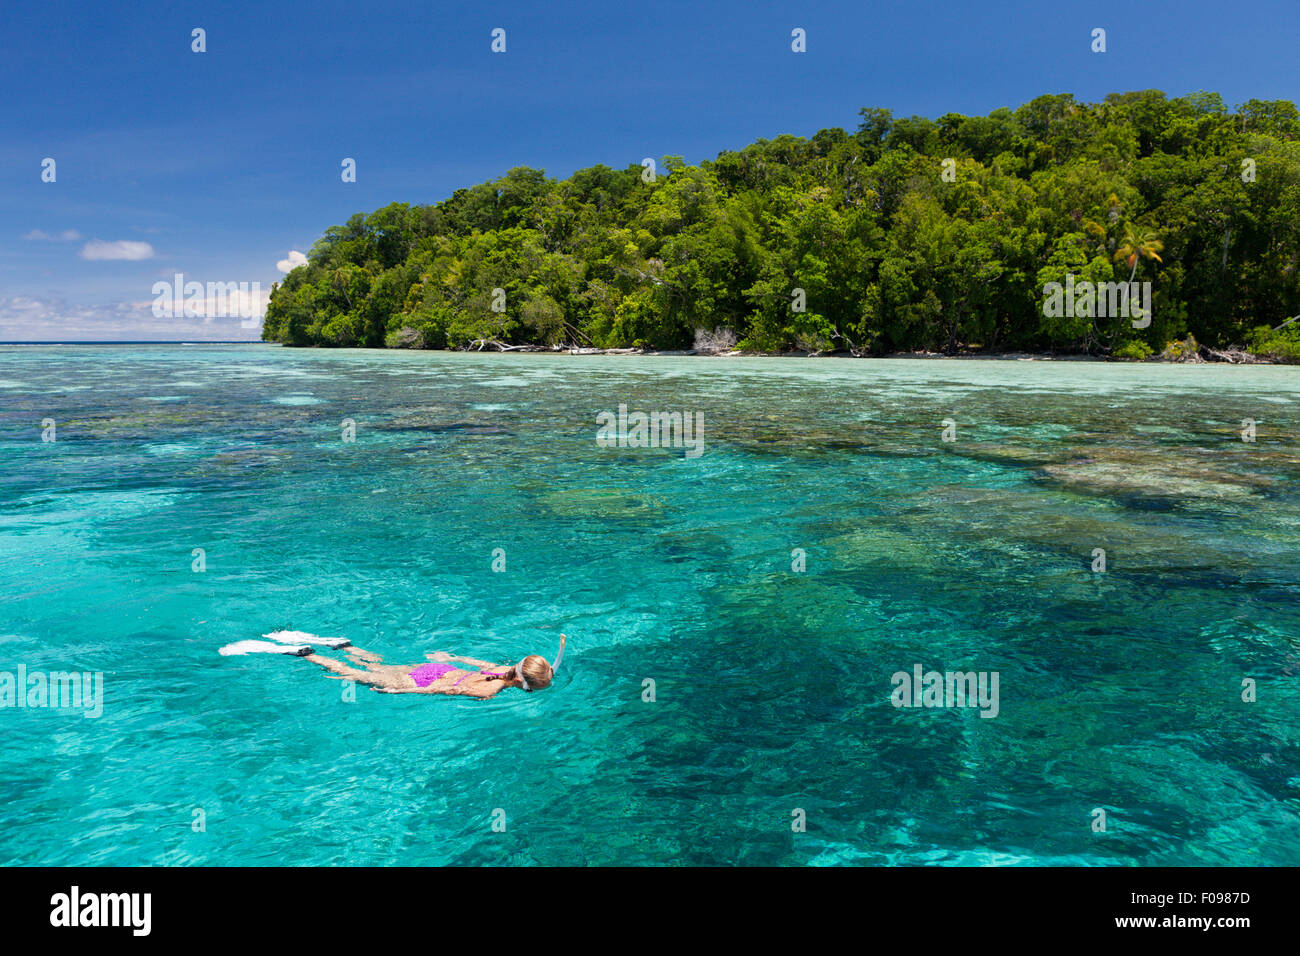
pixel 559 656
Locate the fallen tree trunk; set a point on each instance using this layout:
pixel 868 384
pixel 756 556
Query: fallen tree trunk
pixel 1232 355
pixel 498 346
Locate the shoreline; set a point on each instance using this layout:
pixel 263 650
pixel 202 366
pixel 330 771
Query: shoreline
pixel 1202 356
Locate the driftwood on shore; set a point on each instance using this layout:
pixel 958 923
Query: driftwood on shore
pixel 478 345
pixel 1233 355
pixel 494 345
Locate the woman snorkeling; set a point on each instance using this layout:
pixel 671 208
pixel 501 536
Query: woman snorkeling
pixel 437 677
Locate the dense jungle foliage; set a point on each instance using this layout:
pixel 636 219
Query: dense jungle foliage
pixel 907 234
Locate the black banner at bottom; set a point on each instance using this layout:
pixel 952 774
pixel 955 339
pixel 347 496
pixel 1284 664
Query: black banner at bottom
pixel 339 905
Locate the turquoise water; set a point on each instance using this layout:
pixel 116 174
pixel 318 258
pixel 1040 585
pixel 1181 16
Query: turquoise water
pixel 1119 690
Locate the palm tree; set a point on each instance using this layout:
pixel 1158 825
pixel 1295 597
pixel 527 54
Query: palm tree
pixel 1134 247
pixel 1137 244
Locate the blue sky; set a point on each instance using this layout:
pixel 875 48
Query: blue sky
pixel 219 164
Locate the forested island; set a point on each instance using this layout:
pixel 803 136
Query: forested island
pixel 907 235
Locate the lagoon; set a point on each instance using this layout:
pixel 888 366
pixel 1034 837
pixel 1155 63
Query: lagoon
pixel 711 692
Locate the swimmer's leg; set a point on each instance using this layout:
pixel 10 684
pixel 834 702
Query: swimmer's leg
pixel 389 676
pixel 362 656
pixel 338 667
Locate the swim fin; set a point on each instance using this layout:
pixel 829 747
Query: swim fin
pixel 264 647
pixel 302 637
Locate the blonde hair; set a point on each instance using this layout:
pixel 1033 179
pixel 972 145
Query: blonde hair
pixel 536 671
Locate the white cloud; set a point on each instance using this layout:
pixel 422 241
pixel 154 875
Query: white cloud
pixel 38 234
pixel 70 235
pixel 216 301
pixel 31 319
pixel 295 259
pixel 119 249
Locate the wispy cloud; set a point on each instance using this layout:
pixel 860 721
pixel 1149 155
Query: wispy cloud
pixel 118 249
pixel 67 235
pixel 214 303
pixel 34 319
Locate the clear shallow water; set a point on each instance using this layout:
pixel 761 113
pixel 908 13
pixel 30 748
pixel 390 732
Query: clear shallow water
pixel 1119 690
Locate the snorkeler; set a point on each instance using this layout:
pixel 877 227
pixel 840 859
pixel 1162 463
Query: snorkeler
pixel 439 677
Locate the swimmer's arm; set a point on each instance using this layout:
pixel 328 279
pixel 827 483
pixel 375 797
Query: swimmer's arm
pixel 481 693
pixel 406 690
pixel 448 689
pixel 485 690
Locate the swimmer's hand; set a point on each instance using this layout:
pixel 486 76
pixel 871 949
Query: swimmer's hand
pixel 440 656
